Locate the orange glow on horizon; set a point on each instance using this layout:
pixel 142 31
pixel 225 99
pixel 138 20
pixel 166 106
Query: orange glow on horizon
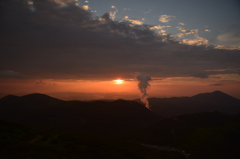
pixel 119 88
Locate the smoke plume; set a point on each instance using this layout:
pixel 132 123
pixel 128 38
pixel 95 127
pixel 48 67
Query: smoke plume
pixel 143 85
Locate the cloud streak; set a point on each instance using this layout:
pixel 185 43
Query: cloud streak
pixel 230 38
pixel 166 18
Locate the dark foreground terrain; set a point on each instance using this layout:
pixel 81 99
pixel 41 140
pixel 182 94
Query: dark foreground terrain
pixel 39 126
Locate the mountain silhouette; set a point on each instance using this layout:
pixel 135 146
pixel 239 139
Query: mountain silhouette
pixel 108 116
pixel 36 101
pixel 215 101
pixel 205 134
pixel 102 116
pixel 41 100
pixel 216 96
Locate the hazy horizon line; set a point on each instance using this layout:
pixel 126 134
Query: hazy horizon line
pixel 100 96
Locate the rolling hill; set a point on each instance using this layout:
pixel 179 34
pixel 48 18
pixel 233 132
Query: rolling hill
pixel 205 102
pixel 95 116
pixel 120 127
pixel 203 135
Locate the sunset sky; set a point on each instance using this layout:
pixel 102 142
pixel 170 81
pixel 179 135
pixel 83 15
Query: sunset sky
pixel 76 49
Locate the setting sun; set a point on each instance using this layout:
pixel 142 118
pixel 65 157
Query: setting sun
pixel 118 81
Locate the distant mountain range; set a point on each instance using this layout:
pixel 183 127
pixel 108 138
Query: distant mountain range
pixel 199 125
pixel 106 116
pixel 102 116
pixel 205 102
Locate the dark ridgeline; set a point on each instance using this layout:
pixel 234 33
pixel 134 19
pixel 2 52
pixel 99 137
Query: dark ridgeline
pixel 108 116
pixel 205 102
pixel 40 110
pixel 205 125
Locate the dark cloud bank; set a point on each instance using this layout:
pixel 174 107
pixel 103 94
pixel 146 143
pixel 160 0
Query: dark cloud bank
pixel 54 41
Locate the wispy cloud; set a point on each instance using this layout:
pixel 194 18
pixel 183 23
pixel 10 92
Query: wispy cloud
pixel 46 84
pixel 147 12
pixel 63 3
pixel 157 27
pixel 133 21
pixel 113 7
pixel 197 41
pixel 217 84
pixel 185 32
pixel 30 3
pixel 180 23
pixel 113 13
pixel 207 30
pixel 166 18
pixel 126 9
pixel 9 74
pixel 224 47
pixel 229 39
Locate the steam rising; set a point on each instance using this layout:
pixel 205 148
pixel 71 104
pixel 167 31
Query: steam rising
pixel 143 85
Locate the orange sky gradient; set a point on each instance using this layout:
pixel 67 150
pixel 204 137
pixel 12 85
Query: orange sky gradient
pixel 125 89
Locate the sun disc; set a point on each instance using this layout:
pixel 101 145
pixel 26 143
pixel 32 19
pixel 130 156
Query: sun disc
pixel 118 81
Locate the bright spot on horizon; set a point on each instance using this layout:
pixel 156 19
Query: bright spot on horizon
pixel 118 81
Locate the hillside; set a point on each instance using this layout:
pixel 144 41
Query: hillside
pixel 119 129
pixel 214 101
pixel 19 141
pixel 203 135
pixel 40 110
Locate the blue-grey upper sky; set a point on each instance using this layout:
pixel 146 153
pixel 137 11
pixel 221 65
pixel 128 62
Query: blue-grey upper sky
pixel 217 21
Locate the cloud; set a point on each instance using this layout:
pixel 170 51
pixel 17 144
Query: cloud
pixel 147 12
pixel 113 7
pixel 9 74
pixel 56 42
pixel 180 23
pixel 113 13
pixel 197 41
pixel 40 83
pixel 166 18
pixel 207 30
pixel 162 32
pixel 193 41
pixel 30 2
pixel 217 84
pixel 85 7
pixel 227 47
pixel 185 32
pixel 62 3
pixel 133 22
pixel 46 84
pixel 229 39
pixel 157 27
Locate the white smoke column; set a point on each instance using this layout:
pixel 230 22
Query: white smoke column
pixel 143 85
